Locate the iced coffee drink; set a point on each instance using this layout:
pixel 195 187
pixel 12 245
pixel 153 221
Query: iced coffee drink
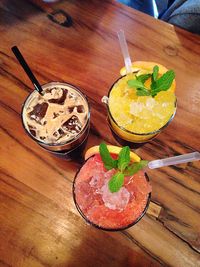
pixel 59 119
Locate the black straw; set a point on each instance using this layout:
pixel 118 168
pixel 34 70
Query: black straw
pixel 26 68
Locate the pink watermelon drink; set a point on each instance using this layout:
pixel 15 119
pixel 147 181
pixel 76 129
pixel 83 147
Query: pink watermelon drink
pixel 105 209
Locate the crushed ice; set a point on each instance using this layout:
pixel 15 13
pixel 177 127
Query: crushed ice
pixel 137 107
pixel 117 200
pixel 114 201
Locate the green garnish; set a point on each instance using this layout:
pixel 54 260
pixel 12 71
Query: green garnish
pixel 163 83
pixel 135 167
pixel 155 73
pixel 122 164
pixel 123 158
pixel 143 77
pixel 108 161
pixel 116 182
pixel 157 84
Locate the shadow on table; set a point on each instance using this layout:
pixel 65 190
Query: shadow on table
pixel 11 12
pixel 100 248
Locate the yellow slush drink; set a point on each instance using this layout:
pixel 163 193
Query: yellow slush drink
pixel 138 114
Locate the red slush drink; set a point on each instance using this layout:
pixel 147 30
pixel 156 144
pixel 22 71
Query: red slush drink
pixel 106 210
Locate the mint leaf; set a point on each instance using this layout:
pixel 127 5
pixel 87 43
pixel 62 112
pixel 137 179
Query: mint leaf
pixel 143 77
pixel 108 161
pixel 142 92
pixel 124 158
pixel 155 73
pixel 157 84
pixel 116 182
pixel 135 167
pixel 141 89
pixel 163 83
pixel 135 84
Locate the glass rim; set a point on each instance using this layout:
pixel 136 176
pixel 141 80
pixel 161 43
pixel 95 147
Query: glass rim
pixel 101 227
pixel 62 143
pixel 135 133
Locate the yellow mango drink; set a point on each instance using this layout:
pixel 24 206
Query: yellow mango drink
pixel 141 104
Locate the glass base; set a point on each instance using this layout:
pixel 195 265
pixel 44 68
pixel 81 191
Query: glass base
pixel 123 142
pixel 75 154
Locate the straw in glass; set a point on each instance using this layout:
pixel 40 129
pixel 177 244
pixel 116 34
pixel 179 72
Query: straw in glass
pixel 125 53
pixel 27 69
pixel 174 160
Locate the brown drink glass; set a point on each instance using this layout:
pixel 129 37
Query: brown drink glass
pixel 71 117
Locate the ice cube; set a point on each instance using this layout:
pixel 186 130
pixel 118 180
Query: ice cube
pixel 80 109
pixel 97 181
pixel 32 129
pixel 39 111
pixel 136 108
pixel 71 109
pixel 117 200
pixel 61 131
pixel 150 103
pixel 72 125
pixel 58 134
pixel 60 99
pixel 33 132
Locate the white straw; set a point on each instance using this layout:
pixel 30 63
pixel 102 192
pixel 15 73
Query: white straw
pixel 174 160
pixel 124 49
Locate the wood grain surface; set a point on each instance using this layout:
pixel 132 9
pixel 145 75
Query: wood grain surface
pixel 39 224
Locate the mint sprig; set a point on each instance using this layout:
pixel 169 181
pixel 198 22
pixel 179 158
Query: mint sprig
pixel 136 83
pixel 135 167
pixel 123 166
pixel 143 92
pixel 155 73
pixel 162 83
pixel 143 77
pixel 116 182
pixel 124 158
pixel 109 162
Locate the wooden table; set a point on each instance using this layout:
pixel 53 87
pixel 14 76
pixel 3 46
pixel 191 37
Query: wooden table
pixel 39 224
